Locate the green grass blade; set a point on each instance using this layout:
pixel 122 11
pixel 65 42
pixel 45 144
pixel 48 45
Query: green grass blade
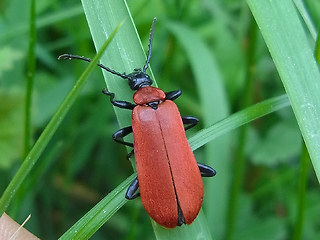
pixel 240 161
pixel 124 54
pixel 317 50
pixel 99 214
pixel 197 230
pixel 48 132
pixel 303 178
pixel 306 17
pixel 289 46
pixel 238 119
pixel 31 68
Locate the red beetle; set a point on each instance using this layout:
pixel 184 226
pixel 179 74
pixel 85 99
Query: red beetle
pixel 169 178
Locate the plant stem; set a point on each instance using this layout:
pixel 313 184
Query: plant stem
pixel 303 176
pixel 31 66
pixel 240 160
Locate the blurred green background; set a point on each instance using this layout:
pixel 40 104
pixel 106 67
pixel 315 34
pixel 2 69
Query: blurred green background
pixel 255 193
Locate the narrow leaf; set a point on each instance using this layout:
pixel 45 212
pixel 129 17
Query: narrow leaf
pixel 99 214
pixel 48 132
pixel 289 46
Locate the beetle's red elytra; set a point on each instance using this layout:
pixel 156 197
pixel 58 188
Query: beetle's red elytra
pixel 169 178
pixel 165 161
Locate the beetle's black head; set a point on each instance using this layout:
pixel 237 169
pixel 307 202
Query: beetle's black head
pixel 138 79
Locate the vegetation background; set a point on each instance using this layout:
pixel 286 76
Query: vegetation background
pixel 213 51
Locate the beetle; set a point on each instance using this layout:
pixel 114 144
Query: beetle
pixel 168 176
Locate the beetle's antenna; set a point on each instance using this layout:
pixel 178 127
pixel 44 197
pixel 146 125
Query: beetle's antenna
pixel 150 45
pixel 70 56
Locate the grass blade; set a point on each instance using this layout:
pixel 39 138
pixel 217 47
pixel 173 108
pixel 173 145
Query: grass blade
pixel 197 230
pixel 99 214
pixel 303 178
pixel 124 54
pixel 238 119
pixel 48 132
pixel 31 68
pixel 289 46
pixel 317 50
pixel 306 17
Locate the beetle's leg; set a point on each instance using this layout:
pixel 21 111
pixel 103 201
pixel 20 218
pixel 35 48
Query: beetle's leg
pixel 192 121
pixel 173 95
pixel 122 133
pixel 130 154
pixel 131 192
pixel 206 171
pixel 116 103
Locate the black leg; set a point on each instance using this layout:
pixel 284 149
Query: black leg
pixel 122 133
pixel 119 104
pixel 173 95
pixel 132 189
pixel 206 171
pixel 192 121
